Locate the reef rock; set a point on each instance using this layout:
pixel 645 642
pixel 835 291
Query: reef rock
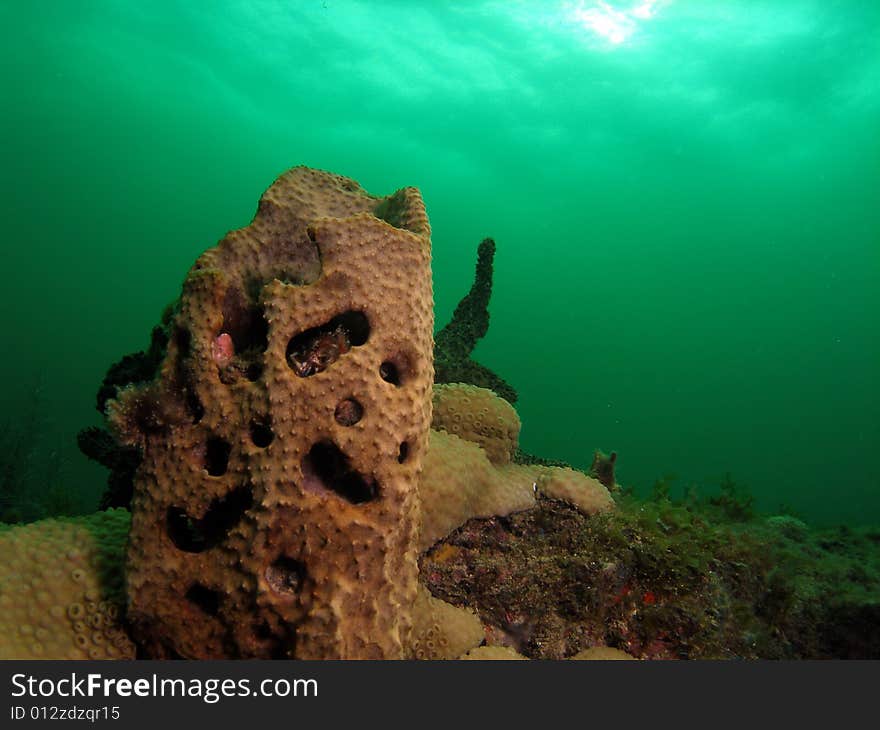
pixel 275 508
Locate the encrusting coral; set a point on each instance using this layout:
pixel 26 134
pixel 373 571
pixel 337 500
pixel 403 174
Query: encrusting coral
pixel 441 630
pixel 468 469
pixel 478 415
pixel 460 483
pixel 61 588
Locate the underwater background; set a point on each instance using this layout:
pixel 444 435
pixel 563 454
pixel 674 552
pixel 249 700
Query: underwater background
pixel 685 197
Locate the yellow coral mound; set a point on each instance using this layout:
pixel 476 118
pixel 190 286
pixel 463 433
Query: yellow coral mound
pixel 61 588
pixel 459 483
pixel 494 653
pixel 441 630
pixel 477 415
pixel 576 488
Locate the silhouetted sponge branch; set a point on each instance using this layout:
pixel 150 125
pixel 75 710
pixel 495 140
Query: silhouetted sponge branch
pixel 454 344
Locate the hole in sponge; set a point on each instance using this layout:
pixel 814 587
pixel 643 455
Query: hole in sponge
pixel 314 350
pixel 261 433
pixel 348 412
pixel 403 452
pixel 217 456
pixel 239 346
pixel 285 576
pixel 197 535
pixel 326 466
pixel 396 369
pixel 390 373
pixel 206 599
pixel 244 322
pixel 194 406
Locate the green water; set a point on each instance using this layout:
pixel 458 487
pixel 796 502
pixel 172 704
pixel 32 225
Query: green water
pixel 685 196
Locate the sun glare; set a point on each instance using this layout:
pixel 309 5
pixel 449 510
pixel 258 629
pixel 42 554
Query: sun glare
pixel 612 24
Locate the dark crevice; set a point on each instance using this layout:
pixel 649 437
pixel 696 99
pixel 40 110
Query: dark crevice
pixel 314 350
pixel 276 647
pixel 194 406
pixel 348 412
pixel 403 452
pixel 253 371
pixel 286 576
pixel 243 338
pixel 183 340
pixel 217 456
pixel 197 535
pixel 261 433
pixel 205 598
pixel 326 466
pixel 244 322
pixel 390 373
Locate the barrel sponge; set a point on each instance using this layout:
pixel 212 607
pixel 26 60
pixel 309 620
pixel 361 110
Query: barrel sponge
pixel 478 415
pixel 494 653
pixel 459 483
pixel 576 488
pixel 441 630
pixel 61 588
pixel 275 510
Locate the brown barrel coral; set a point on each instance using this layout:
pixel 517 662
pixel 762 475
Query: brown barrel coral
pixel 275 509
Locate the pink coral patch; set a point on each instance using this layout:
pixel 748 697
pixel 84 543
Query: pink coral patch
pixel 222 349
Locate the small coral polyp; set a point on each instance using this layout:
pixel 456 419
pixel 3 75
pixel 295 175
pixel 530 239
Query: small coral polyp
pixel 272 516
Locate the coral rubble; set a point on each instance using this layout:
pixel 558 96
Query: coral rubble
pixel 659 580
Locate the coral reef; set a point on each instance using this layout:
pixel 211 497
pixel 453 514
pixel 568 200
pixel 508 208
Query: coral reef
pixel 61 588
pixel 459 483
pixel 569 485
pixel 300 490
pixel 477 415
pixel 274 511
pixel 442 631
pixel 659 580
pixel 456 341
pixel 493 653
pixel 469 469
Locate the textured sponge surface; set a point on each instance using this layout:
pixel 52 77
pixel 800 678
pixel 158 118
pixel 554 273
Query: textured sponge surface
pixel 275 510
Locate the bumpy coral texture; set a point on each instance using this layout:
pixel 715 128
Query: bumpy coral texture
pixel 460 483
pixel 441 630
pixel 478 415
pixel 586 493
pixel 494 653
pixel 275 509
pixel 468 470
pixel 61 589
